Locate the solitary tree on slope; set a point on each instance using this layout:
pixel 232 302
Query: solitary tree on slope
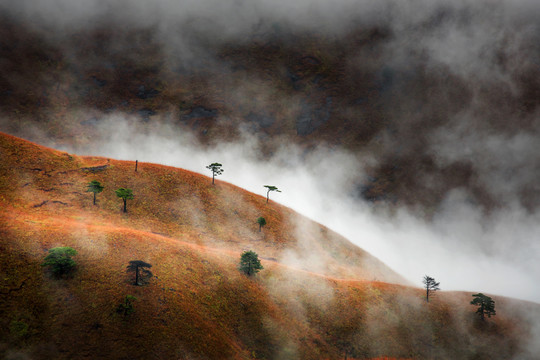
pixel 126 307
pixel 261 221
pixel 430 285
pixel 216 170
pixel 250 263
pixel 59 260
pixel 139 268
pixel 124 194
pixel 486 305
pixel 95 187
pixel 270 188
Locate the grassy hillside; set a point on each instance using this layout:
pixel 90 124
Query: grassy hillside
pixel 319 296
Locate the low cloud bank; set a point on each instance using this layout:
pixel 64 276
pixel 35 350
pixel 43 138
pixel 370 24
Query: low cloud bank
pixel 460 246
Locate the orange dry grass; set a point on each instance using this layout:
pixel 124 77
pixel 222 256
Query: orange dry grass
pixel 174 203
pixel 198 305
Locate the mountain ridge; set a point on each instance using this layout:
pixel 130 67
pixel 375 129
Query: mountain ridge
pixel 198 305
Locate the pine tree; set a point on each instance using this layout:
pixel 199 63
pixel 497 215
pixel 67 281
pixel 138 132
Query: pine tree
pixel 95 187
pixel 138 267
pixel 216 170
pixel 486 305
pixel 430 285
pixel 59 260
pixel 262 222
pixel 124 194
pixel 250 263
pixel 270 188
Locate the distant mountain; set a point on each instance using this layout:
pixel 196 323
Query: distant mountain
pixel 428 97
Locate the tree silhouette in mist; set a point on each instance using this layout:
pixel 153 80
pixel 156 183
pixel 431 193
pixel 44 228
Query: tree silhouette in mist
pixel 486 305
pixel 430 285
pixel 216 170
pixel 270 188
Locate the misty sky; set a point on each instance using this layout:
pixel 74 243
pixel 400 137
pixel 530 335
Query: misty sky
pixel 455 111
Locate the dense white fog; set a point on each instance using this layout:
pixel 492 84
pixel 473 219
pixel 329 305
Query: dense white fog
pixel 461 247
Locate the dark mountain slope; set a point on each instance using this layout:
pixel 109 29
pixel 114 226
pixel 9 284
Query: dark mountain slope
pixel 418 93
